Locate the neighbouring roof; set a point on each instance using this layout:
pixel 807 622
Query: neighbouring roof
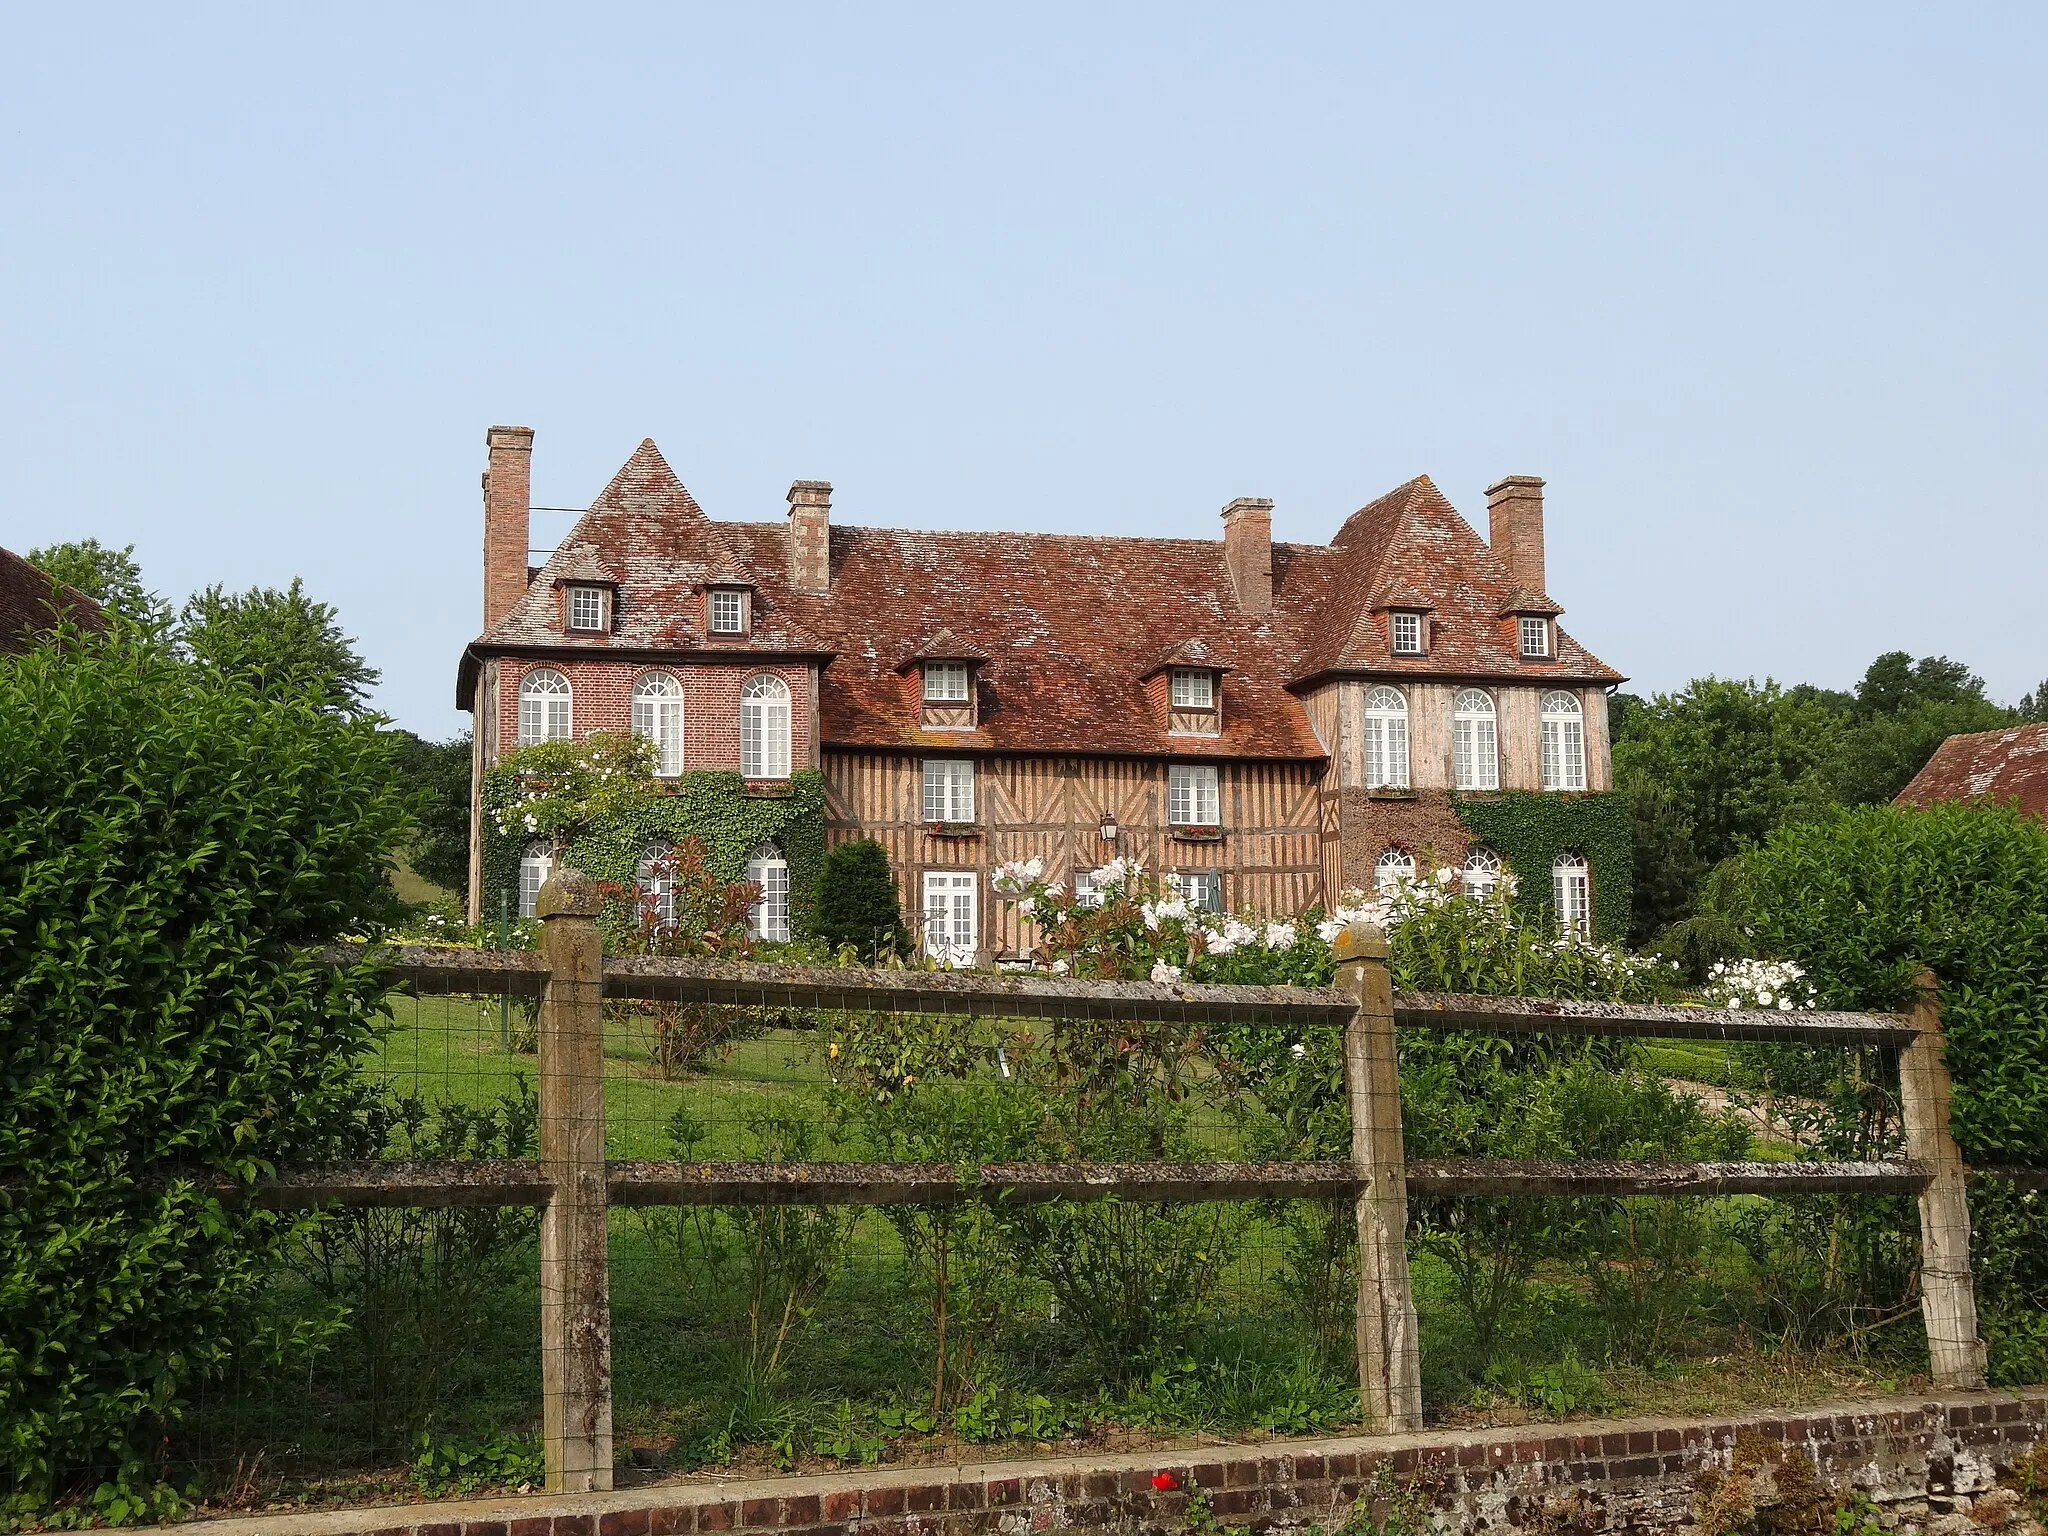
pixel 2011 764
pixel 28 604
pixel 1071 624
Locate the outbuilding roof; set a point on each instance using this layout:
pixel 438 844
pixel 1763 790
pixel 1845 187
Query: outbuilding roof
pixel 30 602
pixel 2011 764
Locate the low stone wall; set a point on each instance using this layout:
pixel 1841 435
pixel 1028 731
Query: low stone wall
pixel 1923 1462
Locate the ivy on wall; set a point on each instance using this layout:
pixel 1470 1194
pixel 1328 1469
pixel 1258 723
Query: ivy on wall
pixel 715 807
pixel 1530 830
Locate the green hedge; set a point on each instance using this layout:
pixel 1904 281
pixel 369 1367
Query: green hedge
pixel 715 807
pixel 1530 830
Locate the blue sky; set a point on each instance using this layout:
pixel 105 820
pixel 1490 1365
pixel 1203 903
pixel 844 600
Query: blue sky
pixel 1758 289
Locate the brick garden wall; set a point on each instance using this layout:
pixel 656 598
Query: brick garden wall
pixel 1926 1464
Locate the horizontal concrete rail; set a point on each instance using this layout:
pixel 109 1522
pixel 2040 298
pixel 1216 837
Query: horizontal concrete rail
pixel 1006 994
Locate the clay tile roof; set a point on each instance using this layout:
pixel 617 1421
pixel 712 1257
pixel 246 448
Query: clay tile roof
pixel 1071 625
pixel 942 644
pixel 2011 764
pixel 1398 594
pixel 30 600
pixel 1191 652
pixel 1522 601
pixel 582 563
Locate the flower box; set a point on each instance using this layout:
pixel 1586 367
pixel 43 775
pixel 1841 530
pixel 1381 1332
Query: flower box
pixel 1188 834
pixel 768 789
pixel 952 829
pixel 1388 792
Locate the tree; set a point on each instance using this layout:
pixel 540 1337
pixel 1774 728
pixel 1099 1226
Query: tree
pixel 2034 706
pixel 439 771
pixel 857 902
pixel 279 644
pixel 1895 682
pixel 110 577
pixel 176 847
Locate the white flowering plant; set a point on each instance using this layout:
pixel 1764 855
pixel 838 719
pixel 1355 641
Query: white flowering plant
pixel 558 790
pixel 1778 985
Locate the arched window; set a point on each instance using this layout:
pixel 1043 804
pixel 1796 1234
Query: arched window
pixel 1394 868
pixel 764 728
pixel 535 865
pixel 1571 890
pixel 543 707
pixel 655 882
pixel 1482 871
pixel 769 870
pixel 1386 739
pixel 1564 742
pixel 658 715
pixel 1475 751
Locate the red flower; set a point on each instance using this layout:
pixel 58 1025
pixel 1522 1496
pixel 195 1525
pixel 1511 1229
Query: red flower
pixel 1164 1482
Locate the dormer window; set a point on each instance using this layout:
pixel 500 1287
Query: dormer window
pixel 1535 637
pixel 589 610
pixel 1407 634
pixel 945 682
pixel 1193 688
pixel 728 610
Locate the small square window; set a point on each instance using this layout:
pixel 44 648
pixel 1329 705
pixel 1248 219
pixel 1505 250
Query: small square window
pixel 728 611
pixel 1203 889
pixel 1535 637
pixel 1086 893
pixel 945 682
pixel 586 608
pixel 1194 688
pixel 1407 634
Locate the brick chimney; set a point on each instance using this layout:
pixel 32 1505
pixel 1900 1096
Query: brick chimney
pixel 1514 509
pixel 810 535
pixel 508 486
pixel 1248 551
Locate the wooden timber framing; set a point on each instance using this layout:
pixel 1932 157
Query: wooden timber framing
pixel 1270 853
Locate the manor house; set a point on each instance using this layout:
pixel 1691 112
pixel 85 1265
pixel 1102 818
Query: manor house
pixel 1274 722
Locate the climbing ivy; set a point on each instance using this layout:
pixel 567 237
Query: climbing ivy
pixel 1530 830
pixel 718 808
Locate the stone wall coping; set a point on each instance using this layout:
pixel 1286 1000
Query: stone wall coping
pixel 452 1516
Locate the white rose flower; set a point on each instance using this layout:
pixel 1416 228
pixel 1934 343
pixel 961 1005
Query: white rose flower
pixel 1164 974
pixel 1300 1050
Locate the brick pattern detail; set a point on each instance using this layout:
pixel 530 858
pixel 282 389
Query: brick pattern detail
pixel 601 694
pixel 1915 1459
pixel 507 490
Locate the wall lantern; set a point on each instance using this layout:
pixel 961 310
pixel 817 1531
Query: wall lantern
pixel 1108 827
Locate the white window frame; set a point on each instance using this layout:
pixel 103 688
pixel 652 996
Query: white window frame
pixel 1563 742
pixel 651 881
pixel 1085 893
pixel 588 602
pixel 1194 795
pixel 945 682
pixel 1535 637
pixel 1407 634
pixel 1482 871
pixel 764 727
pixel 1386 738
pixel 952 915
pixel 726 611
pixel 768 918
pixel 1394 868
pixel 658 716
pixel 535 865
pixel 1571 892
pixel 1475 740
pixel 1202 888
pixel 546 712
pixel 948 789
pixel 1192 688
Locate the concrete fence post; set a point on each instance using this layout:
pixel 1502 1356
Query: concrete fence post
pixel 575 1299
pixel 1948 1299
pixel 1389 1361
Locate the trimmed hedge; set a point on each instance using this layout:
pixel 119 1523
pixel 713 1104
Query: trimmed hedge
pixel 715 807
pixel 171 846
pixel 1530 830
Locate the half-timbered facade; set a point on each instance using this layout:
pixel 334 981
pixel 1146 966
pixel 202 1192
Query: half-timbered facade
pixel 1272 722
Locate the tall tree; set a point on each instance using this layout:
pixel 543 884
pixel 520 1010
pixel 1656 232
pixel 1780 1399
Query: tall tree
pixel 279 644
pixel 111 577
pixel 439 771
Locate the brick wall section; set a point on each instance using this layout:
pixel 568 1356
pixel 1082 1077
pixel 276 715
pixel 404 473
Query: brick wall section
pixel 1917 1459
pixel 601 695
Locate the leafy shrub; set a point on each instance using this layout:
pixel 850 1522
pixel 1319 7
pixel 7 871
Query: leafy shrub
pixel 857 903
pixel 170 845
